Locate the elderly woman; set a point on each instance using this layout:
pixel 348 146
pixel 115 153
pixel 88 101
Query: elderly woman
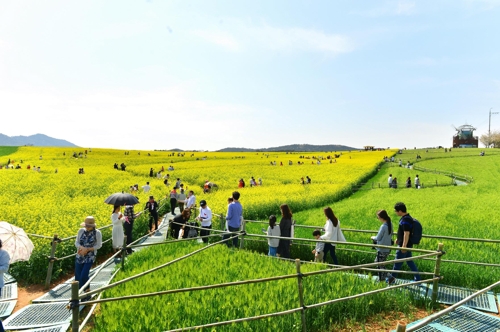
pixel 88 241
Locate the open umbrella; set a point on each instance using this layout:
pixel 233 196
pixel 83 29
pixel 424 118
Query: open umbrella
pixel 16 242
pixel 121 199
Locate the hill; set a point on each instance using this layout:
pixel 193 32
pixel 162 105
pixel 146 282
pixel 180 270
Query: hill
pixel 33 140
pixel 294 148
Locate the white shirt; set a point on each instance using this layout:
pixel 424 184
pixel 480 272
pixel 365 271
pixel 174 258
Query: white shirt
pixel 206 216
pixel 146 188
pixel 331 232
pixel 389 179
pixel 417 181
pixel 191 201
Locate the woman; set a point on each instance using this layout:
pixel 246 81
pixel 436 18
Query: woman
pixel 408 182
pixel 117 219
pixel 173 200
pixel 395 183
pixel 286 230
pixel 384 237
pixel 332 227
pixel 88 241
pixel 179 221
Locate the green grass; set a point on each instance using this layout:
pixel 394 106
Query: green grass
pixel 469 211
pixel 5 151
pixel 220 264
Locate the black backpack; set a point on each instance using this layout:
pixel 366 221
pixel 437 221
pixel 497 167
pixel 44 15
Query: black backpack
pixel 416 232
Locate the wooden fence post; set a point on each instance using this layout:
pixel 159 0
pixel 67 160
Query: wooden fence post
pixel 243 229
pixel 301 296
pixel 75 308
pixel 124 251
pixel 222 223
pixel 54 242
pixel 401 328
pixel 435 284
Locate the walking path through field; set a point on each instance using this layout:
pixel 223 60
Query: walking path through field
pixel 49 312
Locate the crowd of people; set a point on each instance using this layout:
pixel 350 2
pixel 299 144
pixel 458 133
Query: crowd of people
pixel 393 182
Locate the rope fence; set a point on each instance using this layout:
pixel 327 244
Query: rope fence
pixel 299 276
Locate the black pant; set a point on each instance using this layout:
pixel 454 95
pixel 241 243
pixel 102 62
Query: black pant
pixel 205 231
pixel 235 239
pixel 173 204
pixel 153 217
pixel 128 233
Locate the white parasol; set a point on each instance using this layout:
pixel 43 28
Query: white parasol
pixel 16 242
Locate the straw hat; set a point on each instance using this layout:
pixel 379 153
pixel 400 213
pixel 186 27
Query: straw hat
pixel 89 222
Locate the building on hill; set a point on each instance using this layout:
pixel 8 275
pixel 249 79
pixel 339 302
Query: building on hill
pixel 464 138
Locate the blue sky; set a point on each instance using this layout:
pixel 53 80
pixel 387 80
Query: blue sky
pixel 207 74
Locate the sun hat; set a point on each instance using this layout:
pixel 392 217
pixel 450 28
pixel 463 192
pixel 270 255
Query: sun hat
pixel 89 221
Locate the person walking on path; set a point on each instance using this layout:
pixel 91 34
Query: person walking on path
pixel 408 182
pixel 181 199
pixel 117 219
pixel 128 225
pixel 205 217
pixel 234 217
pixel 173 200
pixel 332 229
pixel 319 250
pixel 417 182
pixel 383 237
pixel 403 241
pixel 389 180
pixel 286 229
pixel 191 200
pixel 88 241
pixel 273 230
pixel 152 207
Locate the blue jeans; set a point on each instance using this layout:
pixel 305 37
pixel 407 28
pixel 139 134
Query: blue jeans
pixel 411 264
pixel 82 273
pixel 235 239
pixel 330 248
pixel 272 251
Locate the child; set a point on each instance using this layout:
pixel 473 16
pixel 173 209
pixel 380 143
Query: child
pixel 273 230
pixel 320 246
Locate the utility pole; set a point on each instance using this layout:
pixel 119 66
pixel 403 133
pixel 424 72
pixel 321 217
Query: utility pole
pixel 489 127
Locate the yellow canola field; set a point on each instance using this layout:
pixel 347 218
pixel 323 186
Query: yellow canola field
pixel 47 202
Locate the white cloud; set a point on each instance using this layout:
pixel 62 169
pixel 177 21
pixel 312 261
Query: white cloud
pixel 390 8
pixel 218 37
pixel 266 37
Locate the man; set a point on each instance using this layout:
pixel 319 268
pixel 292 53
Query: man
pixel 146 188
pixel 417 182
pixel 403 241
pixel 234 216
pixel 191 201
pixel 205 217
pixel 389 180
pixel 152 207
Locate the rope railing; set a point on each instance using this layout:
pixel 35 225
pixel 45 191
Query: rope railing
pixel 253 281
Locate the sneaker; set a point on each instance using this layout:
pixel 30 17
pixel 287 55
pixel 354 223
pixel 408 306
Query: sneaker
pixel 390 281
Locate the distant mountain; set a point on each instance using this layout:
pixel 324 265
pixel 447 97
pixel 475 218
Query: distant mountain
pixel 294 148
pixel 34 140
